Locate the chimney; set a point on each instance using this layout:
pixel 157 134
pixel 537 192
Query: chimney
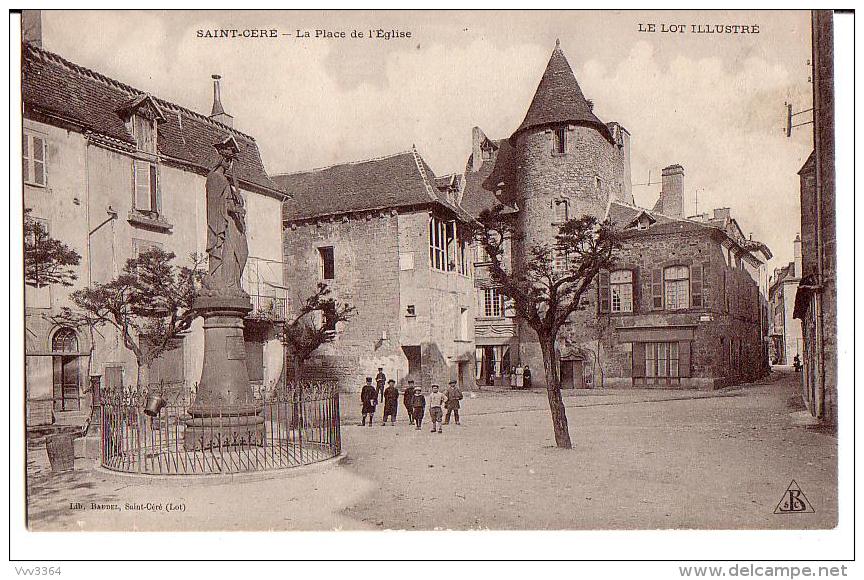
pixel 31 27
pixel 672 192
pixel 218 113
pixel 627 193
pixel 722 213
pixel 477 138
pixel 798 258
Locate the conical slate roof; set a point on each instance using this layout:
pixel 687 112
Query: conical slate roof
pixel 559 100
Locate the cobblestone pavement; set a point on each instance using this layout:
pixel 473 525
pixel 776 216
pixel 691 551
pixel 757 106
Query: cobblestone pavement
pixel 641 459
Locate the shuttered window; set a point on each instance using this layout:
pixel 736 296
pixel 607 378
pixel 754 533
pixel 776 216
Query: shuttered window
pixel 621 290
pixel 657 289
pixel 146 183
pixel 33 166
pixel 603 290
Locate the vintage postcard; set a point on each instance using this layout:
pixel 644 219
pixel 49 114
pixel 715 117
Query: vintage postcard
pixel 458 270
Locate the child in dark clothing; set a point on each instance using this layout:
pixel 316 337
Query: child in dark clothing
pixel 418 404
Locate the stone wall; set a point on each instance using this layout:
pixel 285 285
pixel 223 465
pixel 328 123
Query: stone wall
pixel 366 252
pixel 729 317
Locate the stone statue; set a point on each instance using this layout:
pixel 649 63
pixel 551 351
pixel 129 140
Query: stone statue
pixel 227 249
pixel 224 411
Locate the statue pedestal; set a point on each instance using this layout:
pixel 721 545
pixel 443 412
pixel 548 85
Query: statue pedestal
pixel 224 412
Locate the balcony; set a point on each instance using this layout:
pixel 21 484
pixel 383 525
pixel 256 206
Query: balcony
pixel 267 308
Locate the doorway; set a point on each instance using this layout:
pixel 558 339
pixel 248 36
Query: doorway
pixel 67 390
pixel 573 374
pixel 415 363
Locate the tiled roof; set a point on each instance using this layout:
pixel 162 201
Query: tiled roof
pixel 560 100
pixel 481 185
pixel 395 181
pixel 56 90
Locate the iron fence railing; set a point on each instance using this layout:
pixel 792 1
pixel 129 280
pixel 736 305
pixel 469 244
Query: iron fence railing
pixel 300 426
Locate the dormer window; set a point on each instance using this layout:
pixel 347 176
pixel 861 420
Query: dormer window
pixel 144 131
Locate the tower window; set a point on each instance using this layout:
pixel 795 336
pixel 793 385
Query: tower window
pixel 561 211
pixel 328 263
pixel 560 134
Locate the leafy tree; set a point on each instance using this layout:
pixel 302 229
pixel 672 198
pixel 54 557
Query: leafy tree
pixel 313 325
pixel 46 260
pixel 548 284
pixel 149 304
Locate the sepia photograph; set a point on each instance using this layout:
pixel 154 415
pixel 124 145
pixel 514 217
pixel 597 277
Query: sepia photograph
pixel 330 270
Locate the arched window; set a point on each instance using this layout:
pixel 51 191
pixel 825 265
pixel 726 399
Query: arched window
pixel 65 340
pixel 562 213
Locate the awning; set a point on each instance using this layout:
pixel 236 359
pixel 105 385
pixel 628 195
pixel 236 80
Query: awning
pixel 806 288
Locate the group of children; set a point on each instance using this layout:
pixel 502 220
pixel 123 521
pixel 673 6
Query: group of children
pixel 414 401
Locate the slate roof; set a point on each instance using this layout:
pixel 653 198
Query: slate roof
pixel 399 180
pixel 481 185
pixel 622 215
pixel 559 99
pixel 55 90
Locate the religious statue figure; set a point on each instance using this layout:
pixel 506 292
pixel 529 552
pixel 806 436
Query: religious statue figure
pixel 227 248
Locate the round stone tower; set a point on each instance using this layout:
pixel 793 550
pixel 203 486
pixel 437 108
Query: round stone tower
pixel 566 163
pixel 565 157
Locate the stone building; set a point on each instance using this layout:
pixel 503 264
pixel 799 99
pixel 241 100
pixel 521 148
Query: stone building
pixel 787 341
pixel 816 299
pixel 389 238
pixel 681 309
pixel 110 170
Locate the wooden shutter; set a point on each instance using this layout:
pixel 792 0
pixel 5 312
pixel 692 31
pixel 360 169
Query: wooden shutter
pixel 696 286
pixel 657 289
pixel 141 180
pixel 706 292
pixel 603 289
pixel 638 359
pixel 684 358
pixel 26 150
pixel 637 295
pixel 39 160
pixel 155 197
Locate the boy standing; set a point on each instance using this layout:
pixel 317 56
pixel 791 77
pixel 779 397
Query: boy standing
pixel 380 380
pixel 418 406
pixel 406 400
pixel 454 395
pixel 368 398
pixel 436 401
pixel 391 402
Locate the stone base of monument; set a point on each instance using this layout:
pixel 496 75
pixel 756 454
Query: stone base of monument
pixel 224 412
pixel 209 432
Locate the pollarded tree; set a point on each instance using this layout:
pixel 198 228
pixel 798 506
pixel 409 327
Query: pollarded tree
pixel 314 324
pixel 46 260
pixel 548 284
pixel 149 304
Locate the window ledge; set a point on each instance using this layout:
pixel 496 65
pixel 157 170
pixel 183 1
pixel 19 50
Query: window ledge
pixel 137 218
pixel 462 340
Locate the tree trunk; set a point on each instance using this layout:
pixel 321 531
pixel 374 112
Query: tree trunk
pixel 297 364
pixel 553 392
pixel 143 376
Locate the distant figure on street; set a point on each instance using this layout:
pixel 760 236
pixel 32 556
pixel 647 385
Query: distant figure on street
pixel 418 407
pixel 391 402
pixel 454 395
pixel 526 377
pixel 796 362
pixel 369 399
pixel 436 402
pixel 380 381
pixel 407 394
pixel 519 375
